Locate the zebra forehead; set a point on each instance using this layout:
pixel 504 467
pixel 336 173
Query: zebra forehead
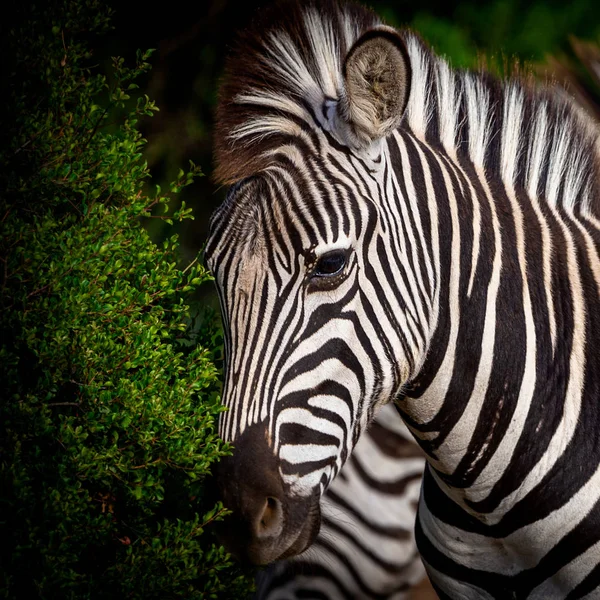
pixel 255 218
pixel 283 206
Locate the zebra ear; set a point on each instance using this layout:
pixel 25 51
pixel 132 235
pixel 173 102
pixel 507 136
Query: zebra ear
pixel 377 83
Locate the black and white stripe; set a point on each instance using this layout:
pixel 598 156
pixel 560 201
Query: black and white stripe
pixel 366 546
pixel 470 293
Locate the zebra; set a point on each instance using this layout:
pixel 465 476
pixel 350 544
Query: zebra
pixel 366 547
pixel 397 230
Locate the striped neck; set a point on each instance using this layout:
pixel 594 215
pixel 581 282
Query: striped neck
pixel 509 374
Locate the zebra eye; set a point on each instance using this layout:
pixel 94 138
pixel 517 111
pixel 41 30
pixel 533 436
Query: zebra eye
pixel 330 264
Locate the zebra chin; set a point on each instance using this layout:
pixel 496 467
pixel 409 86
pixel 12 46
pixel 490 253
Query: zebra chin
pixel 268 522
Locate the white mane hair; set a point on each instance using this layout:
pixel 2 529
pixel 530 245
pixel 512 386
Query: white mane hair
pixel 286 76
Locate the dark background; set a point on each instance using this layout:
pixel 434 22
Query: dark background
pixel 192 40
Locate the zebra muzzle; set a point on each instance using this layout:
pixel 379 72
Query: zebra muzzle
pixel 267 522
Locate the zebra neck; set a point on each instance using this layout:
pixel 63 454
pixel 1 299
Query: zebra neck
pixel 509 373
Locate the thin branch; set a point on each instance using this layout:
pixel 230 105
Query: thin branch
pixel 191 264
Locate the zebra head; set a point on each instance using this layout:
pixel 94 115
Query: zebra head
pixel 301 252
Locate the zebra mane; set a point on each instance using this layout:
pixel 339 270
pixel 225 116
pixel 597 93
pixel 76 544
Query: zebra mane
pixel 287 68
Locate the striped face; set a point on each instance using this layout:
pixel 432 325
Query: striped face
pixel 292 262
pixel 311 351
pixel 313 342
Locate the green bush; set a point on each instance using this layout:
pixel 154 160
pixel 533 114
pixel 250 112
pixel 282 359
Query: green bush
pixel 108 408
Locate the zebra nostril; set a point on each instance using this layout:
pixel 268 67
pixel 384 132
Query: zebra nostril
pixel 270 523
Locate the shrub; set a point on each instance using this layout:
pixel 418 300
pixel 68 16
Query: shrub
pixel 107 413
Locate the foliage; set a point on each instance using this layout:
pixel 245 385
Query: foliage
pixel 107 414
pixel 527 32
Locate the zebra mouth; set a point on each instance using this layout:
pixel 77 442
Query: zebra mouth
pixel 265 551
pixel 306 535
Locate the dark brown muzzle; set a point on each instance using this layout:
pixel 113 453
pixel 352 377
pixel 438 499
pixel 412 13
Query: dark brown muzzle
pixel 267 522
